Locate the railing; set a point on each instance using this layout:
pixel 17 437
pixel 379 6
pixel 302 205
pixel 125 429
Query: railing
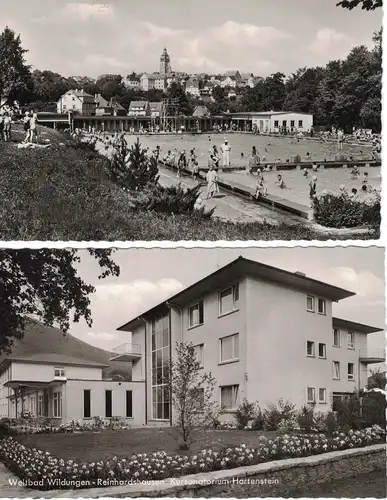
pixel 372 354
pixel 127 349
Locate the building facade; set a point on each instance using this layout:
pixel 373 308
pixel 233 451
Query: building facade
pixel 61 388
pixel 262 332
pixel 77 101
pixel 139 108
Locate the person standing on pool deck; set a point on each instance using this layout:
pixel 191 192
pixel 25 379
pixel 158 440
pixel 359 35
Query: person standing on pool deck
pixel 212 182
pixel 225 148
pixel 313 187
pixel 340 138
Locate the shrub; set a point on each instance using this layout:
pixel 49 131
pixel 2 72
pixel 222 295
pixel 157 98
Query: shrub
pixel 332 425
pixel 245 412
pixel 171 200
pixel 258 420
pixel 305 418
pixel 340 211
pixel 373 409
pixel 131 168
pixel 288 425
pixel 272 417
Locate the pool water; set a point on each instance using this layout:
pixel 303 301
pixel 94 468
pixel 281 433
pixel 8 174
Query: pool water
pixel 281 148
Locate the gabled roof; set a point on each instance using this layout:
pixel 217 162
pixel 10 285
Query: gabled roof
pixel 139 104
pixel 200 111
pixel 233 73
pixel 51 359
pixel 241 267
pixel 156 106
pixel 192 83
pixel 101 102
pixel 116 105
pixel 246 76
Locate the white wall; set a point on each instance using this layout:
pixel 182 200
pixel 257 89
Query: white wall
pixel 45 373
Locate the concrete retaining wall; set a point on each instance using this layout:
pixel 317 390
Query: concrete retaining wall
pixel 277 478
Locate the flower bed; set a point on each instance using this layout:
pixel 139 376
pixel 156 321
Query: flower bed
pixel 97 424
pixel 41 470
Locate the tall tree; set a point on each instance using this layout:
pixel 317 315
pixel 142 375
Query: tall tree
pixel 46 284
pixel 15 74
pixel 176 91
pixel 110 86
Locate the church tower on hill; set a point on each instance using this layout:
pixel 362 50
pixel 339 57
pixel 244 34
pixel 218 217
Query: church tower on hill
pixel 165 63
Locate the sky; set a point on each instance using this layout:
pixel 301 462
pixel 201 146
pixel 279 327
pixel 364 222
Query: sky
pixel 149 276
pixel 120 36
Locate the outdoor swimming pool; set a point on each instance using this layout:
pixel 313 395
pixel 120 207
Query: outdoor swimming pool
pixel 277 147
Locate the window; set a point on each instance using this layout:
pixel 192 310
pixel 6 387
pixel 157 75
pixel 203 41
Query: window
pixel 229 348
pixel 108 404
pixel 310 303
pixel 59 372
pixel 351 373
pixel 336 337
pixel 196 316
pixel 160 368
pixel 284 123
pixel 300 123
pixel 199 354
pixel 311 395
pixel 86 403
pixel 292 123
pixel 351 340
pixel 276 123
pixel 199 398
pixel 321 306
pixel 229 397
pixel 310 348
pixel 40 406
pixel 129 404
pixel 322 351
pixel 57 405
pixel 228 299
pixel 322 395
pixel 336 370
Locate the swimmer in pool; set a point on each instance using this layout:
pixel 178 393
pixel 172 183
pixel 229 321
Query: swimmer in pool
pixel 280 181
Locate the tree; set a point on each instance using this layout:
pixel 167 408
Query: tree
pixel 45 284
pixel 15 75
pixel 131 168
pixel 176 91
pixel 110 86
pixel 49 86
pixel 365 4
pixel 377 380
pixel 192 395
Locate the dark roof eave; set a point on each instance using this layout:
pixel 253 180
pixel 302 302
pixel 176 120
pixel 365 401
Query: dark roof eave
pixel 360 327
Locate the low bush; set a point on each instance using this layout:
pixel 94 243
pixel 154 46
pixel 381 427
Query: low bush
pixel 339 211
pixel 258 420
pixel 245 412
pixel 171 200
pixel 40 470
pixel 305 418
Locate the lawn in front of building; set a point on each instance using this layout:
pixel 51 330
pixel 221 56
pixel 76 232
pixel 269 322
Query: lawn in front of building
pixel 95 446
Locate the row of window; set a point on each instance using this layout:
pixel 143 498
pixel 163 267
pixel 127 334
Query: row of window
pixel 228 302
pixel 108 404
pixel 322 348
pixel 311 305
pixel 350 370
pixel 322 395
pixel 228 349
pixel 292 123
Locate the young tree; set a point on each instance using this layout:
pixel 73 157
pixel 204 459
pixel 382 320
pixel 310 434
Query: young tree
pixel 192 395
pixel 131 168
pixel 377 380
pixel 15 75
pixel 45 283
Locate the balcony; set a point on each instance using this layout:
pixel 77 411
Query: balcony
pixel 126 352
pixel 375 356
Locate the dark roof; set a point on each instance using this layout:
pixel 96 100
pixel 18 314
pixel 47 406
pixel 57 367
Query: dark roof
pixel 102 102
pixel 52 359
pixel 352 325
pixel 138 104
pixel 246 267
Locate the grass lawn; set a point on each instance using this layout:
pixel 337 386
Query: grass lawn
pixel 93 446
pixel 63 193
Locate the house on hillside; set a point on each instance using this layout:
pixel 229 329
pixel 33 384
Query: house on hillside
pixel 139 108
pixel 103 107
pixel 63 388
pixel 231 79
pixel 147 82
pixel 192 87
pixel 318 358
pixel 77 101
pixel 201 111
pixel 247 80
pixel 132 82
pixel 156 109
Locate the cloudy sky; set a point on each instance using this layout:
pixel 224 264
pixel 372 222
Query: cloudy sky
pixel 260 36
pixel 151 276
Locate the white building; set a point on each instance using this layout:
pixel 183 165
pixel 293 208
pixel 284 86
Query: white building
pixel 77 101
pixel 276 121
pixel 139 108
pixel 192 87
